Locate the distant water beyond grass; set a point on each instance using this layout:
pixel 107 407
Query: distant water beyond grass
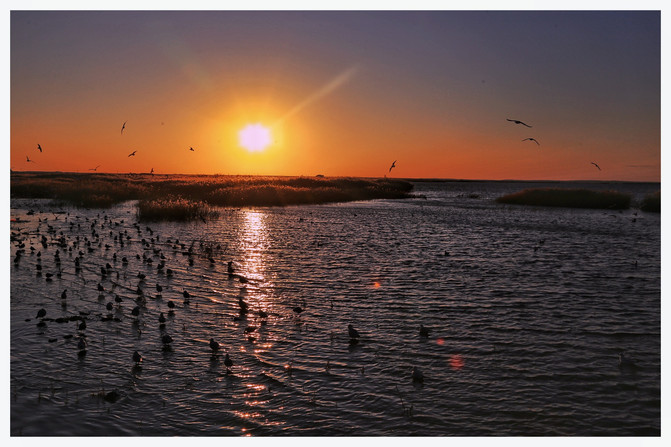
pixel 186 197
pixel 569 198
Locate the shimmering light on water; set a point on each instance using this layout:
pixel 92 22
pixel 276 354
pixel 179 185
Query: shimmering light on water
pixel 516 325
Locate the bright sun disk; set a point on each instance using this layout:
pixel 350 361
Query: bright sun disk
pixel 255 137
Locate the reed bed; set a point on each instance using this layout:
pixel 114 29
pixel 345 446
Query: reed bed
pixel 174 209
pixel 652 203
pixel 569 198
pixel 190 194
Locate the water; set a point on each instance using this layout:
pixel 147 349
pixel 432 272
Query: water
pixel 529 309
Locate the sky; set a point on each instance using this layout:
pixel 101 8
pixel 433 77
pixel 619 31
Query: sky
pixel 341 93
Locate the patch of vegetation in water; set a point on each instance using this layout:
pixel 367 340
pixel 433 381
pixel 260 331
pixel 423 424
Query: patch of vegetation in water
pixel 569 198
pixel 652 202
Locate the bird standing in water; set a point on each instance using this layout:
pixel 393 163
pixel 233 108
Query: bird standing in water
pixel 353 333
pixel 228 363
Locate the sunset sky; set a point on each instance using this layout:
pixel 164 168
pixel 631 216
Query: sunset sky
pixel 341 93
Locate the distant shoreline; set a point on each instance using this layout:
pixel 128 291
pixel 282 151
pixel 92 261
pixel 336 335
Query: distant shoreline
pixel 320 176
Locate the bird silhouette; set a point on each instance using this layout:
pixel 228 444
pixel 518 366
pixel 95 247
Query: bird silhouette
pixel 94 169
pixel 353 333
pixel 132 154
pixel 214 346
pixel 518 122
pixel 29 160
pixel 597 166
pixel 137 358
pixel 532 139
pixel 192 149
pixel 228 362
pixel 152 171
pixel 424 331
pixel 39 147
pixel 393 165
pixel 124 126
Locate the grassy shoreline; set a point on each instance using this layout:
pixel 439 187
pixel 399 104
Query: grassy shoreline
pixel 178 197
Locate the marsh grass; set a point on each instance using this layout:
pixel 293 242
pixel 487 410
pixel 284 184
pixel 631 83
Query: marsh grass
pixel 570 198
pixel 652 203
pixel 105 190
pixel 174 209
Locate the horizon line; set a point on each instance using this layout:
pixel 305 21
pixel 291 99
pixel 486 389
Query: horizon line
pixel 408 179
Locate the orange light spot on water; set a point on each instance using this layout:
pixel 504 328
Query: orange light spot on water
pixel 456 362
pixel 376 285
pixel 440 341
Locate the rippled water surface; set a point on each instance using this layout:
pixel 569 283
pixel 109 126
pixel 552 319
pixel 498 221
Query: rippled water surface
pixel 528 310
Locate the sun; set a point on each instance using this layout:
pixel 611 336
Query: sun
pixel 255 137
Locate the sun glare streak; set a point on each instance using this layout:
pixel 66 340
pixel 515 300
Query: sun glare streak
pixel 334 84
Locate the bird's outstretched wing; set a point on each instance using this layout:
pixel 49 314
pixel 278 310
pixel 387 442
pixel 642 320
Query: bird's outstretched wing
pixel 597 166
pixel 518 122
pixel 532 139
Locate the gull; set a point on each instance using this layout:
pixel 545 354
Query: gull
pixel 597 166
pixel 94 169
pixel 39 147
pixel 353 333
pixel 532 139
pixel 152 171
pixel 137 358
pixel 393 165
pixel 192 149
pixel 518 122
pixel 124 126
pixel 161 318
pixel 424 331
pixel 132 154
pixel 214 346
pixel 41 313
pixel 29 160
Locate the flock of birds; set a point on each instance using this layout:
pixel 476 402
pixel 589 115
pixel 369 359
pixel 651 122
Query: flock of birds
pixel 522 123
pixel 79 247
pixel 132 154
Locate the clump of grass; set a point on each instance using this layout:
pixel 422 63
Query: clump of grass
pixel 652 203
pixel 570 198
pixel 174 209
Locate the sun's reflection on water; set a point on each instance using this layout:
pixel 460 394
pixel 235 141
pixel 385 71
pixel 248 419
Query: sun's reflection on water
pixel 254 243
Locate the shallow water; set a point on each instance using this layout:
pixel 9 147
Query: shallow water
pixel 529 309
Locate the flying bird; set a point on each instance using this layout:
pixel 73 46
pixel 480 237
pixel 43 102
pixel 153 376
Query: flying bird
pixel 124 126
pixel 597 166
pixel 192 149
pixel 518 122
pixel 94 169
pixel 393 165
pixel 29 160
pixel 39 147
pixel 532 139
pixel 132 154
